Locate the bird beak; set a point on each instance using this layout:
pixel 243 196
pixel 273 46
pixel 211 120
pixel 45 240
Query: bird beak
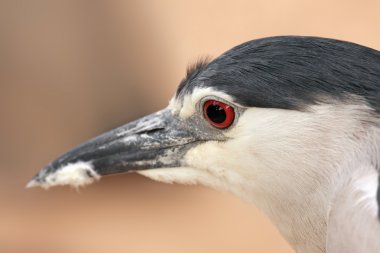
pixel 154 141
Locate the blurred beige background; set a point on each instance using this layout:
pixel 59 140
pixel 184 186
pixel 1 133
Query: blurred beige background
pixel 70 70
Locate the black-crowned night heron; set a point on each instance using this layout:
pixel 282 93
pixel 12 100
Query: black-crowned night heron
pixel 290 124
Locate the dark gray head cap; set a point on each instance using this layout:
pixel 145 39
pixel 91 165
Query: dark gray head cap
pixel 291 72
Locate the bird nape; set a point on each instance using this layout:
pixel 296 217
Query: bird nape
pixel 288 123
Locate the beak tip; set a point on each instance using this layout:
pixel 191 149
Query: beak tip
pixel 74 174
pixel 32 184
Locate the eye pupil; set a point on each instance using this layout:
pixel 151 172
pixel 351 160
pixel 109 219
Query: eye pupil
pixel 216 113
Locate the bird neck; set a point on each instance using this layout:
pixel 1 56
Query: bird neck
pixel 302 222
pixel 301 213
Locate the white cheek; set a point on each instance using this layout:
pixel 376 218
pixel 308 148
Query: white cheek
pixel 227 168
pixel 270 150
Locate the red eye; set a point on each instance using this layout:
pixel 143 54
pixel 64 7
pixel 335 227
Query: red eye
pixel 218 113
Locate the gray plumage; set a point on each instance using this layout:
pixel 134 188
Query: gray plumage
pixel 291 72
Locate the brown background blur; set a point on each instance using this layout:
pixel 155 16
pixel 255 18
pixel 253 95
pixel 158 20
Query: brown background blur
pixel 70 70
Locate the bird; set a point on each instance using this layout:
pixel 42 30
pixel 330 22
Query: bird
pixel 288 123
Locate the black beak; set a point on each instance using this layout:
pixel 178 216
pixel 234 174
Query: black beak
pixel 155 141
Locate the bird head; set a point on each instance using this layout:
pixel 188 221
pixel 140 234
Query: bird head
pixel 274 121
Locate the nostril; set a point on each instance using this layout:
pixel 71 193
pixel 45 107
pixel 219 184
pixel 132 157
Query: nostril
pixel 150 131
